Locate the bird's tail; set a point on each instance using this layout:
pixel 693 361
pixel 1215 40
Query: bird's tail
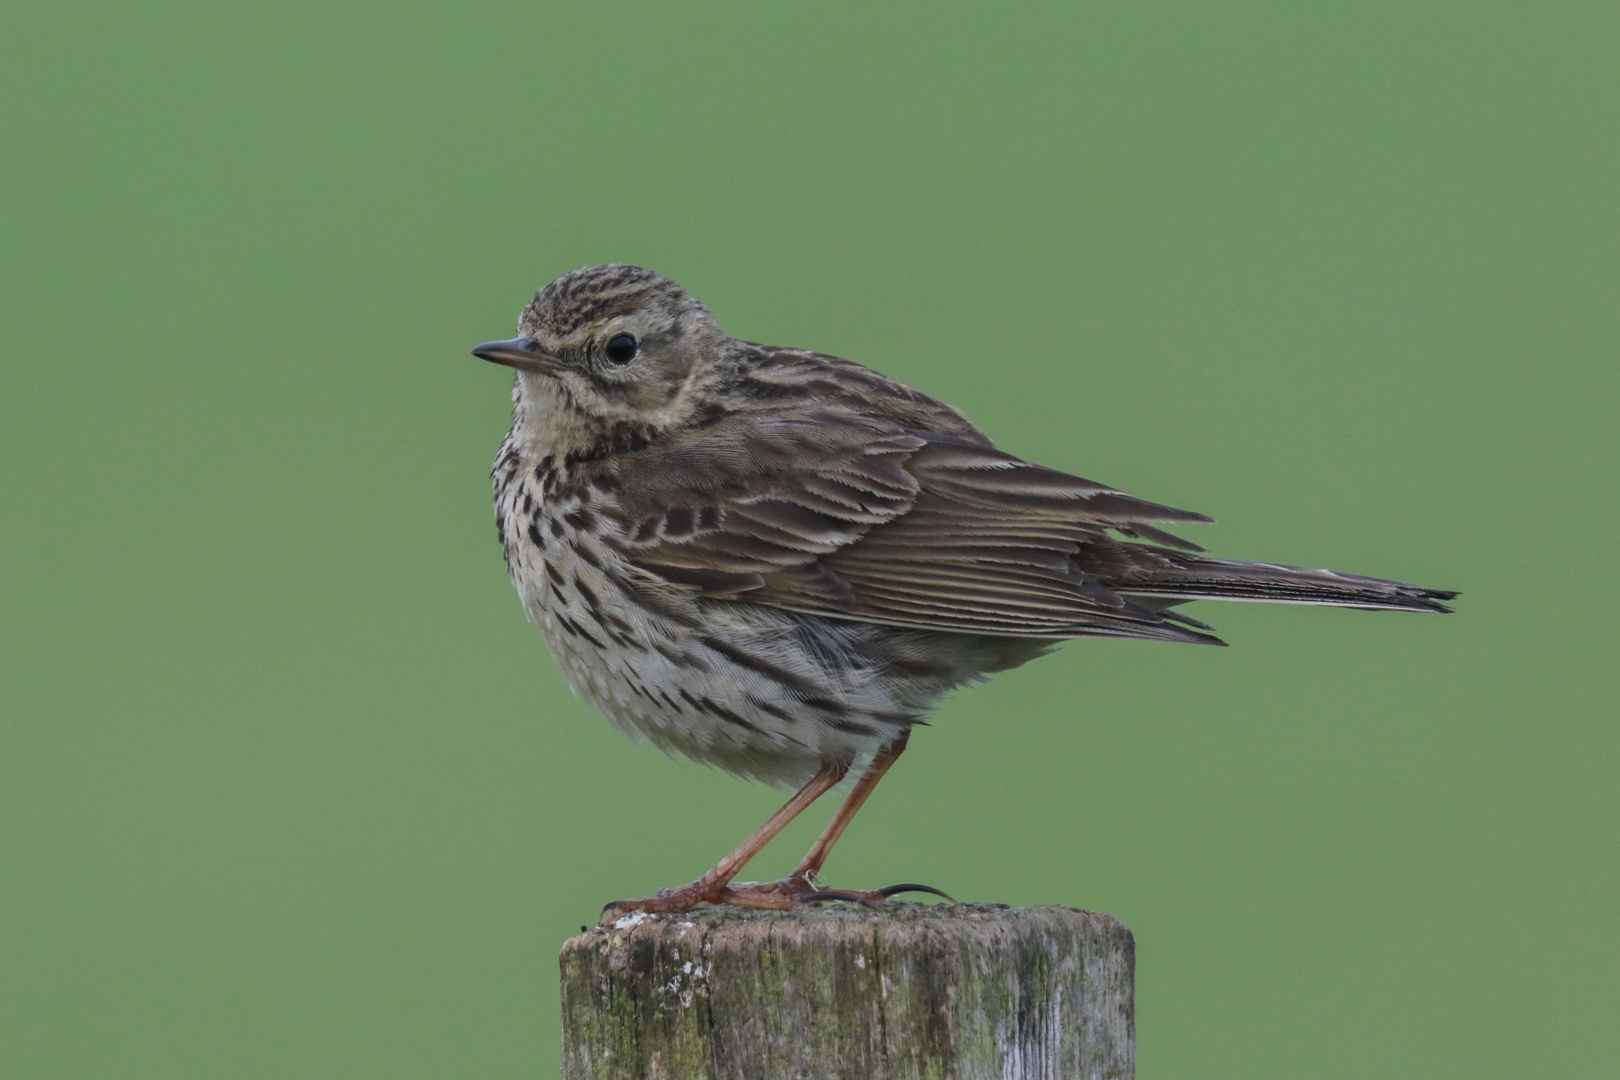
pixel 1158 578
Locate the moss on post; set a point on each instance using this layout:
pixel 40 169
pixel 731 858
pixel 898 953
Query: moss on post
pixel 956 990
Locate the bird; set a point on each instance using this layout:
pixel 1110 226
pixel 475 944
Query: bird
pixel 777 562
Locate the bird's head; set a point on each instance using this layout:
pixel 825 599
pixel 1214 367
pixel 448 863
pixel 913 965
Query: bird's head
pixel 607 349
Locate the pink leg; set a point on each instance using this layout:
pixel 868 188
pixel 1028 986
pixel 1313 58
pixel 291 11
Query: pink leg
pixel 812 862
pixel 712 885
pixel 799 886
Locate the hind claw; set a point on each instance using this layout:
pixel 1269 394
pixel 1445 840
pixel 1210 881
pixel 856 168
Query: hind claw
pixel 784 895
pixel 894 890
pixel 836 894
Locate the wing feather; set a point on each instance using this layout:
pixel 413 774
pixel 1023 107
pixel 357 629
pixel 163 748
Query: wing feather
pixel 854 517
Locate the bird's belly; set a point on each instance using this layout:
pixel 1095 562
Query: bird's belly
pixel 752 689
pixel 733 690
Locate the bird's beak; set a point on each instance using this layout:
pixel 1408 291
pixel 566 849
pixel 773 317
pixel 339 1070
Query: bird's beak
pixel 520 353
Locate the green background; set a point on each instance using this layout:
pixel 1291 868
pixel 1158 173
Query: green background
pixel 289 788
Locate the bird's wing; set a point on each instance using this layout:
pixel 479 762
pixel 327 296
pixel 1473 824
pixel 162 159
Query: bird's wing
pixel 726 506
pixel 858 518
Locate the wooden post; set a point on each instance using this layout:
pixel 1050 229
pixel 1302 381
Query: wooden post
pixel 965 991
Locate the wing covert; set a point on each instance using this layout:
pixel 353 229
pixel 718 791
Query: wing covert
pixel 855 518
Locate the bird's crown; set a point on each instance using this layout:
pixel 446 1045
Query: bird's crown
pixel 573 306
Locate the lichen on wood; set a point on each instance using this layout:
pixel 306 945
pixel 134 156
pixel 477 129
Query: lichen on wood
pixel 959 991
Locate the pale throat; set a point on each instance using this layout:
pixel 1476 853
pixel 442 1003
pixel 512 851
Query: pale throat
pixel 545 422
pixel 548 419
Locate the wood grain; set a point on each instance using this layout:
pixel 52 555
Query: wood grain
pixel 962 991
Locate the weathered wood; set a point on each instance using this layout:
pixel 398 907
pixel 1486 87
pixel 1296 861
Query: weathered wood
pixel 955 990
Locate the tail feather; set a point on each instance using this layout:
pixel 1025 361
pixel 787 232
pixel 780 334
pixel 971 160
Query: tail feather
pixel 1159 578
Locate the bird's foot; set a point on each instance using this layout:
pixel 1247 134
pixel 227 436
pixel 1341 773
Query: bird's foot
pixel 873 897
pixel 796 891
pixel 684 898
pixel 784 895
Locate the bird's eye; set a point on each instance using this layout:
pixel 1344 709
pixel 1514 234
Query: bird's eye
pixel 621 348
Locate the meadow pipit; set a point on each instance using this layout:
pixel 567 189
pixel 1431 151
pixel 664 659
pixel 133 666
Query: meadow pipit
pixel 776 561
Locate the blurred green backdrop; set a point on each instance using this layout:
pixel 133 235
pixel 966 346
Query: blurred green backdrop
pixel 291 790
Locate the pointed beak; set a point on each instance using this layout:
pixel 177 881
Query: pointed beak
pixel 520 353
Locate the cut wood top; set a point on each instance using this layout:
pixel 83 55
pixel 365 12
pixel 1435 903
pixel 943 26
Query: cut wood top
pixel 841 990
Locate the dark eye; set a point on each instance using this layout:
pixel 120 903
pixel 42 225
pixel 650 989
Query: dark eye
pixel 621 348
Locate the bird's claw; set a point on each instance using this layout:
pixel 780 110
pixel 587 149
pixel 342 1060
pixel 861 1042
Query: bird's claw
pixel 784 895
pixel 838 894
pixel 873 897
pixel 911 886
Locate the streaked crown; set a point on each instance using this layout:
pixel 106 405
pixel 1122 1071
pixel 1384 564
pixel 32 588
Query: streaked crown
pixel 577 302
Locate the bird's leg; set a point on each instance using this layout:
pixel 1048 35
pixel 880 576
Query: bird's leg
pixel 800 886
pixel 712 886
pixel 813 860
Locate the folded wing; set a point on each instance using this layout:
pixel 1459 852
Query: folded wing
pixel 857 518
